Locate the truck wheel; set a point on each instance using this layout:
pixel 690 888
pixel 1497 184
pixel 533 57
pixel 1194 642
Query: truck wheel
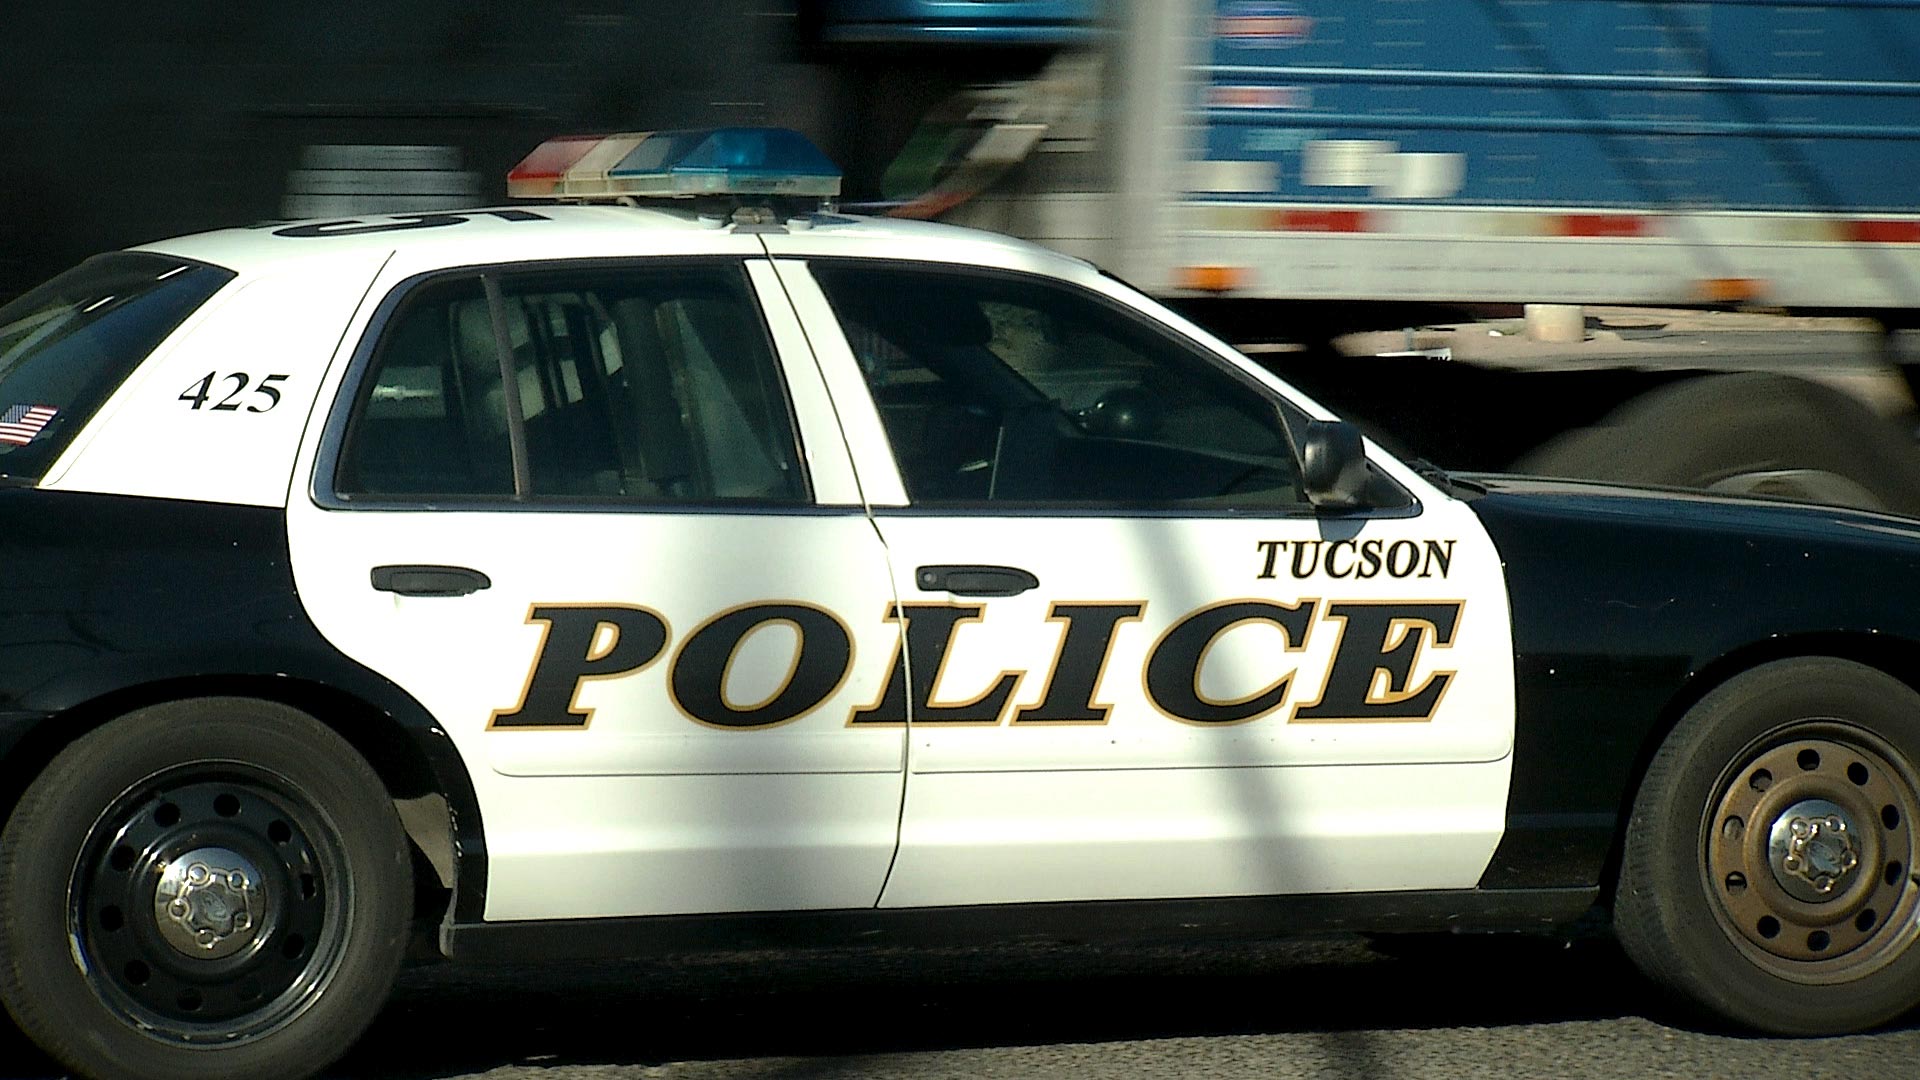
pixel 209 888
pixel 1750 434
pixel 1768 869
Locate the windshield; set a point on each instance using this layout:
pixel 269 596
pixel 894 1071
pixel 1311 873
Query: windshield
pixel 65 346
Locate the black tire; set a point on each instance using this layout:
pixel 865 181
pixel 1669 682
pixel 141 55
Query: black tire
pixel 1710 909
pixel 125 852
pixel 1753 433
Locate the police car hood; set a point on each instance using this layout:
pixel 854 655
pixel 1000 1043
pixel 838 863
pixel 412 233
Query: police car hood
pixel 1662 509
pixel 1642 581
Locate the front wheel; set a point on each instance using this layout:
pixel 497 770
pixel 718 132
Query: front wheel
pixel 201 889
pixel 1768 868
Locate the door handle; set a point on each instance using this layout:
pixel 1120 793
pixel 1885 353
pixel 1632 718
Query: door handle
pixel 429 580
pixel 975 580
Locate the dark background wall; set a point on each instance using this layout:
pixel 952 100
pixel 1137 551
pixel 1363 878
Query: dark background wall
pixel 126 122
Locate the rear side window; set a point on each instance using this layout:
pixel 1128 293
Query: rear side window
pixel 67 345
pixel 653 385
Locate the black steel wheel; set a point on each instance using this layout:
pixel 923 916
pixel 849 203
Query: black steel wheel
pixel 207 888
pixel 1767 873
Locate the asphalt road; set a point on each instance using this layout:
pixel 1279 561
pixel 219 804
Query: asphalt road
pixel 1334 1009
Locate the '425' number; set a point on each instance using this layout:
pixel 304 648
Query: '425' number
pixel 198 394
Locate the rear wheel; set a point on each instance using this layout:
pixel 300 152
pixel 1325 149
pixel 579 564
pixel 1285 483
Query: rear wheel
pixel 1768 869
pixel 207 888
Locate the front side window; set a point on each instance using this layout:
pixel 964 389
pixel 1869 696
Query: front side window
pixel 656 385
pixel 1002 389
pixel 67 345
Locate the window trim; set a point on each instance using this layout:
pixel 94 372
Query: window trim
pixel 348 403
pixel 521 463
pixel 1149 326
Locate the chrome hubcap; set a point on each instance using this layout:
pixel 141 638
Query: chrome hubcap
pixel 209 902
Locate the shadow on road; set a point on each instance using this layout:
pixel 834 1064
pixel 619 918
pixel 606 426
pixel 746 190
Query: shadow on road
pixel 18 1058
pixel 447 1023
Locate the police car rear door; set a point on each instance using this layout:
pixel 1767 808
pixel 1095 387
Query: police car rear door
pixel 1136 661
pixel 621 575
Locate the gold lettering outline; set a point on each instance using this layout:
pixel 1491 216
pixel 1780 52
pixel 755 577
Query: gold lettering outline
pixel 1053 669
pixel 800 645
pixel 573 700
pixel 933 688
pixel 793 666
pixel 1284 680
pixel 1403 625
pixel 897 660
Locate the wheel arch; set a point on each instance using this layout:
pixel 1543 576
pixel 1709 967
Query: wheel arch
pixel 410 753
pixel 1893 655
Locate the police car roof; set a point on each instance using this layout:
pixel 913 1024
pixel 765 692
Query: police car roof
pixel 538 231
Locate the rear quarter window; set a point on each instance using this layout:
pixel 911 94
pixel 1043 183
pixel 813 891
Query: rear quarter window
pixel 67 345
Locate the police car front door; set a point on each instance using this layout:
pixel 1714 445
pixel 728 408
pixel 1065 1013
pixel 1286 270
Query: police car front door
pixel 570 512
pixel 1135 661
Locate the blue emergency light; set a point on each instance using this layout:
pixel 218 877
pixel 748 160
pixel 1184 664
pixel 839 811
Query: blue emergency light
pixel 676 164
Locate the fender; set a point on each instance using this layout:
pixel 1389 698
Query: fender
pixel 1630 604
pixel 104 596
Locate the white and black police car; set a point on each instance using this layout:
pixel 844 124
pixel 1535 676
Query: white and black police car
pixel 565 581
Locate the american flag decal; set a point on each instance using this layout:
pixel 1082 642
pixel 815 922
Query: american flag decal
pixel 19 424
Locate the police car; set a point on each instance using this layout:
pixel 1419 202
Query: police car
pixel 615 573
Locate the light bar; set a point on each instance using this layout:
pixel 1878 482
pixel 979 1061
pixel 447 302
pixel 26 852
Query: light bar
pixel 675 164
pixel 538 174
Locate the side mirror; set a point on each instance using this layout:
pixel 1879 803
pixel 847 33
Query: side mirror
pixel 1333 465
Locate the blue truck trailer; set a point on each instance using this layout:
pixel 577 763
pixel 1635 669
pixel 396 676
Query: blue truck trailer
pixel 1560 151
pixel 1303 168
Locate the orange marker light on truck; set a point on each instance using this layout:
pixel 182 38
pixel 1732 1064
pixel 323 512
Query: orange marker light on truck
pixel 1729 290
pixel 1216 279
